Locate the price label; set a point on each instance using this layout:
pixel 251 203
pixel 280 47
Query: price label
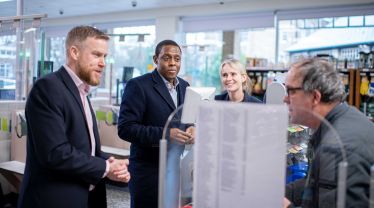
pixel 344 70
pixel 365 70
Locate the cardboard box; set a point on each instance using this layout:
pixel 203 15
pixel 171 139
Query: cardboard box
pixel 259 63
pixel 250 62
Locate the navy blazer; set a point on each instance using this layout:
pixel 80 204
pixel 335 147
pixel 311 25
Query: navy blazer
pixel 145 108
pixel 59 166
pixel 247 97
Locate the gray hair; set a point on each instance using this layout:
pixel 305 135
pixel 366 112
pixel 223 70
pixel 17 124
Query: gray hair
pixel 320 75
pixel 240 68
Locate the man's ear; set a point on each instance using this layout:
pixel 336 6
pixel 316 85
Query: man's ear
pixel 74 52
pixel 155 59
pixel 316 97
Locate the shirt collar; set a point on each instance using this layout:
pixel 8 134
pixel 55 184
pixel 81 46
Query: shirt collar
pixel 86 88
pixel 175 82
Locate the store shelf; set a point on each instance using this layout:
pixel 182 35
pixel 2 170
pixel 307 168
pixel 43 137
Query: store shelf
pixel 261 69
pixel 358 97
pixel 367 70
pixel 342 70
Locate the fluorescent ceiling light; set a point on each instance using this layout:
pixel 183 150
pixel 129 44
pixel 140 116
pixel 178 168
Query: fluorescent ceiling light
pixel 5 0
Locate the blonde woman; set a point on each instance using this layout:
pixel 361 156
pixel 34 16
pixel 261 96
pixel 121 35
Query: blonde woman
pixel 235 80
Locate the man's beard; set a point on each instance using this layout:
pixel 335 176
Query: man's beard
pixel 85 75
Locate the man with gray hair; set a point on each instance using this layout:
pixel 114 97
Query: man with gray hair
pixel 315 91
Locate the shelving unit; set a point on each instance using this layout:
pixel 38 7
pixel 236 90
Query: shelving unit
pixel 265 69
pixel 358 96
pixel 352 91
pixel 259 71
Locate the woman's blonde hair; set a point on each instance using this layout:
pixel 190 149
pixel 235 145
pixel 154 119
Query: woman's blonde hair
pixel 240 68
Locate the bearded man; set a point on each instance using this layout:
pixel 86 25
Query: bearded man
pixel 65 166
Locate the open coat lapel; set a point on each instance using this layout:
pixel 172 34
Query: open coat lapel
pixel 73 89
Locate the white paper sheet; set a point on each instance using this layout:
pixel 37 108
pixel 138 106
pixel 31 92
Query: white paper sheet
pixel 239 158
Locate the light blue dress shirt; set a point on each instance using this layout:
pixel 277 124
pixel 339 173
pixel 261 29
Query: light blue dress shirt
pixel 173 91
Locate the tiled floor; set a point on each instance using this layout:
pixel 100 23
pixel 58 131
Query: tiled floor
pixel 117 197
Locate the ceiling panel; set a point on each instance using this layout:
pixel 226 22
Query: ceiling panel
pixel 84 7
pixel 92 7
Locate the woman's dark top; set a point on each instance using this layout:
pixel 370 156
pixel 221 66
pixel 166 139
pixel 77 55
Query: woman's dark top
pixel 247 98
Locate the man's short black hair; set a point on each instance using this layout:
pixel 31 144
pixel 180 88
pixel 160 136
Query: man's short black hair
pixel 164 43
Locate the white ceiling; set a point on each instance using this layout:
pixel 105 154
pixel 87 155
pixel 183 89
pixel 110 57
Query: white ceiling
pixel 104 11
pixel 89 7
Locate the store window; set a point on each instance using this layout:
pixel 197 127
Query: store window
pixel 57 52
pixel 259 43
pixel 201 59
pixel 356 21
pixel 339 37
pixel 340 21
pixel 129 52
pixel 369 20
pixel 7 55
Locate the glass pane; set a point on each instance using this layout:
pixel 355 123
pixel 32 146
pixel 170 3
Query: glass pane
pixel 219 169
pixel 356 21
pixel 127 53
pixel 341 21
pixel 57 51
pixel 369 20
pixel 259 44
pixel 283 24
pixel 201 67
pixel 311 23
pixel 8 47
pixel 326 22
pixel 300 23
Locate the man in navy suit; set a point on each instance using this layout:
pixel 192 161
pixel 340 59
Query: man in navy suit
pixel 65 165
pixel 147 102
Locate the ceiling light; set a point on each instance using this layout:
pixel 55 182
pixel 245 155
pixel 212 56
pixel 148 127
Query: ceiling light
pixel 5 0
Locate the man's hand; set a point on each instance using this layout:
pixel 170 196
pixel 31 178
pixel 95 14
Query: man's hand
pixel 118 170
pixel 286 202
pixel 180 137
pixel 191 130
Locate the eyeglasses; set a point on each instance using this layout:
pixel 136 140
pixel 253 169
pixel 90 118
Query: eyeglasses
pixel 292 89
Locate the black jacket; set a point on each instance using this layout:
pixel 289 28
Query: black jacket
pixel 247 97
pixel 145 108
pixel 59 166
pixel 357 135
